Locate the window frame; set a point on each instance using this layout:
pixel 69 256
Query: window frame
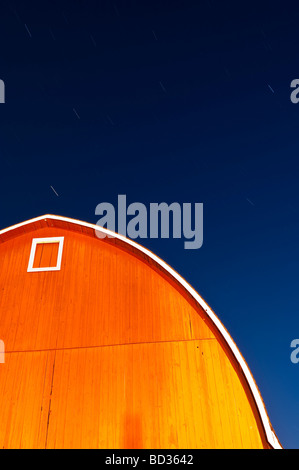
pixel 39 241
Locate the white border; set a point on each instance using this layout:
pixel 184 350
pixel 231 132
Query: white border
pixel 270 435
pixel 39 241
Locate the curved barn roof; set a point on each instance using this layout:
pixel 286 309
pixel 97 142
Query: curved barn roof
pixel 155 262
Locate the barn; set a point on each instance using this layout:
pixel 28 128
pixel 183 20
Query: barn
pixel 106 346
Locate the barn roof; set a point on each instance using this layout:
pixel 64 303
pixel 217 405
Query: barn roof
pixel 92 230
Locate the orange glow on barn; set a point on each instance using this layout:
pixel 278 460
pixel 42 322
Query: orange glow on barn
pixel 112 349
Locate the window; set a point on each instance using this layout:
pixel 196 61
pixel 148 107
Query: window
pixel 45 254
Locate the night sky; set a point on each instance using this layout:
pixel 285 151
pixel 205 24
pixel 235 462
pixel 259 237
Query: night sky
pixel 182 101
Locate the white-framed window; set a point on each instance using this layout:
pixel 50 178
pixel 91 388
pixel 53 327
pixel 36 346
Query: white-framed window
pixel 45 254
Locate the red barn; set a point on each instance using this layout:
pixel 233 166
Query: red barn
pixel 106 346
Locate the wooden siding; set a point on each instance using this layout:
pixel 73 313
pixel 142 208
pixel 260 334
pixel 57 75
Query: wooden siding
pixel 108 353
pixel 46 255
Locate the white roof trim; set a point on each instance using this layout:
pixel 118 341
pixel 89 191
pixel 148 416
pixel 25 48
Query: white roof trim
pixel 270 435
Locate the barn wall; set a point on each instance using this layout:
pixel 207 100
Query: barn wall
pixel 107 353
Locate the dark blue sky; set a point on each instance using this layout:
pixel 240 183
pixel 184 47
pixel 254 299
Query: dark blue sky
pixel 185 101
